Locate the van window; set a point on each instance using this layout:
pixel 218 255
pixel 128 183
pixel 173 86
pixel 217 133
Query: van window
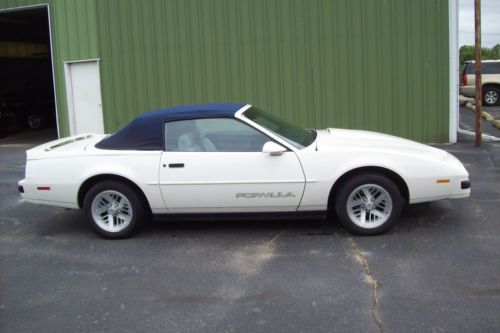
pixel 491 68
pixel 487 68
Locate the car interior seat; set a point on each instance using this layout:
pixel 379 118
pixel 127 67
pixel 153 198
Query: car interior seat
pixel 193 141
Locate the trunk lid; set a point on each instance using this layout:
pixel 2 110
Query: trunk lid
pixel 68 146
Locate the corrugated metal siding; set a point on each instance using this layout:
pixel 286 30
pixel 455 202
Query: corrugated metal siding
pixel 379 64
pixel 74 37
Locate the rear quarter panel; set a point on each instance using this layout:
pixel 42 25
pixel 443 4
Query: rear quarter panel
pixel 65 175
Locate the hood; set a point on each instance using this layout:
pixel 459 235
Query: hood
pixel 342 139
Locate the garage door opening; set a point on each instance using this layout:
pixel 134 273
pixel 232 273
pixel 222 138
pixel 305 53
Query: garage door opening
pixel 27 102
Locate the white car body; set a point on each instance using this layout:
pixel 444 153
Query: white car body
pixel 295 180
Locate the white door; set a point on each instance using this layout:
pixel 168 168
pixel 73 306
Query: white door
pixel 217 165
pixel 84 97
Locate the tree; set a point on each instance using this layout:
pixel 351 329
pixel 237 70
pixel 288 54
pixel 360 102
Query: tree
pixel 495 52
pixel 467 52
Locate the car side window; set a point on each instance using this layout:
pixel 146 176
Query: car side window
pixel 212 134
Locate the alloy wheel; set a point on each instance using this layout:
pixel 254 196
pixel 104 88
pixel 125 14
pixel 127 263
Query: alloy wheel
pixel 369 206
pixel 111 211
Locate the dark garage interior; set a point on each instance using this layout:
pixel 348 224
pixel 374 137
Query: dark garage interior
pixel 26 88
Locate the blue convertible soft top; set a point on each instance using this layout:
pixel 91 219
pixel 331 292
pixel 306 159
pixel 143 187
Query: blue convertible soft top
pixel 145 132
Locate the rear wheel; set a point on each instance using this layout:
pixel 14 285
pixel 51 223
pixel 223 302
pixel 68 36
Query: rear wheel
pixel 368 204
pixel 113 209
pixel 491 95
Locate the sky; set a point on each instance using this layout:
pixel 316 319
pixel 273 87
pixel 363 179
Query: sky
pixel 490 22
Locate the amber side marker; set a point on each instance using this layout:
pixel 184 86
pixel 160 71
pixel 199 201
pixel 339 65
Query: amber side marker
pixel 442 181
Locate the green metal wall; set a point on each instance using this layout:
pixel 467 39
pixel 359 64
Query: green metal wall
pixel 370 64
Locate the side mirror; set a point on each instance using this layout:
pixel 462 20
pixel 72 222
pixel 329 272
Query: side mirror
pixel 273 148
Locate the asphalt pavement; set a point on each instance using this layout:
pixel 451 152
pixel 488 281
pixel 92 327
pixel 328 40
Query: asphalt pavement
pixel 438 270
pixel 467 122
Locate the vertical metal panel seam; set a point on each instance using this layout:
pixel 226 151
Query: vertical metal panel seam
pixel 111 115
pixel 279 53
pixel 201 53
pixel 142 42
pixel 165 77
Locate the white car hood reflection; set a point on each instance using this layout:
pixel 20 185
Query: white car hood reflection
pixel 333 139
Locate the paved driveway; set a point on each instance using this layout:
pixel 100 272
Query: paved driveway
pixel 438 270
pixel 467 120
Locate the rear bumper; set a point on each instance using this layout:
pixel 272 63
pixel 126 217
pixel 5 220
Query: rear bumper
pixel 20 186
pixel 468 91
pixel 29 193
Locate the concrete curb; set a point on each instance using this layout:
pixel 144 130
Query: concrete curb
pixel 470 106
pixel 464 100
pixel 484 114
pixel 487 116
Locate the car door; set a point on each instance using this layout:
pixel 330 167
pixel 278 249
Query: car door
pixel 217 165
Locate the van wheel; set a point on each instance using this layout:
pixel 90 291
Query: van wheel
pixel 368 204
pixel 113 209
pixel 491 95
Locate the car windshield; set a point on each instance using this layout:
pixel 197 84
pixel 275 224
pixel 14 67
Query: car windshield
pixel 294 135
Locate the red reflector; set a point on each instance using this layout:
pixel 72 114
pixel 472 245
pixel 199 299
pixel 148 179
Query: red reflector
pixel 43 188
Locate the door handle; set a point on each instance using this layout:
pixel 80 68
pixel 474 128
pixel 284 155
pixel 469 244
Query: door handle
pixel 176 165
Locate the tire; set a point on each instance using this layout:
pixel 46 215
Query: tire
pixel 358 209
pixel 35 121
pixel 491 95
pixel 117 201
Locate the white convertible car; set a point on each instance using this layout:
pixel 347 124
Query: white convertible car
pixel 235 158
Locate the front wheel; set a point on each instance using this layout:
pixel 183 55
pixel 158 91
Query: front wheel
pixel 113 209
pixel 368 204
pixel 35 121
